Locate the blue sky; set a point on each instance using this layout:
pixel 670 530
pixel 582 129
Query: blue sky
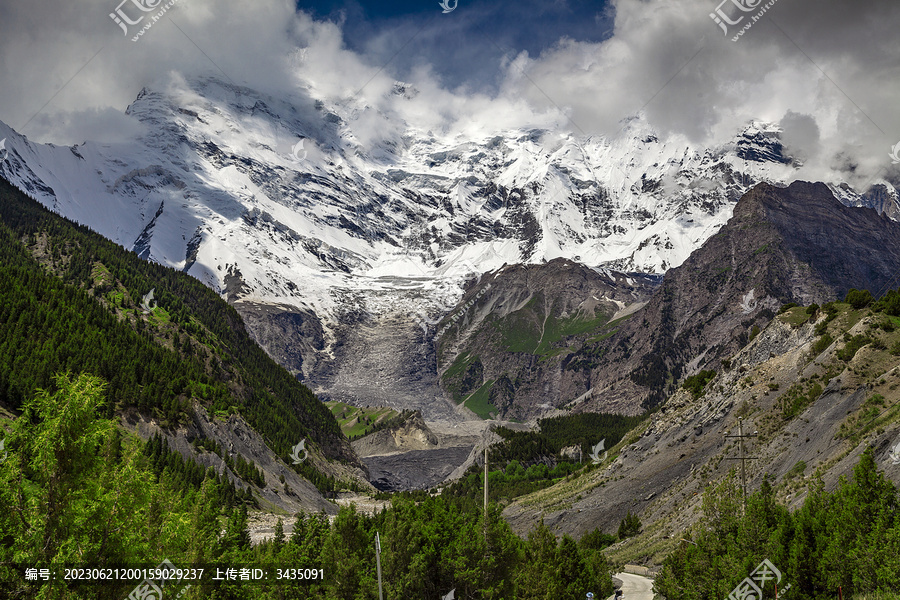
pixel 467 45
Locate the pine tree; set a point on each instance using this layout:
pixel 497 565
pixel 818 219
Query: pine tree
pixel 279 536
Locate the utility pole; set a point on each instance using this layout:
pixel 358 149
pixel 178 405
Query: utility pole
pixel 485 489
pixel 378 563
pixel 743 458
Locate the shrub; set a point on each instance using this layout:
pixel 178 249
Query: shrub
pixel 695 383
pixel 889 304
pixel 797 398
pixel 630 526
pixel 853 345
pixel 796 470
pixel 858 298
pixel 786 307
pixel 596 540
pixel 822 344
pixel 754 331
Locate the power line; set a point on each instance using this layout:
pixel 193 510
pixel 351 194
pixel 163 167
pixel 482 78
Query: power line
pixel 743 458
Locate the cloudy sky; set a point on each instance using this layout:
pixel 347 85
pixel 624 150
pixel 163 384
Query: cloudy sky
pixel 828 72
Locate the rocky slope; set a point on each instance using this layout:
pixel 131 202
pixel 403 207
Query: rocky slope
pixel 813 406
pixel 410 434
pixel 794 244
pixel 236 437
pixel 500 350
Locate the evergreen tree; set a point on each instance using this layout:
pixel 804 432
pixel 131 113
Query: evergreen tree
pixel 278 540
pixel 629 526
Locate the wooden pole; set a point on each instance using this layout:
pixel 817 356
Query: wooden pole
pixel 378 563
pixel 485 487
pixel 743 461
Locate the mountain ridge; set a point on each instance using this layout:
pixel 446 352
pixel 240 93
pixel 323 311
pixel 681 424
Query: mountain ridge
pixel 74 302
pixel 345 232
pixel 706 309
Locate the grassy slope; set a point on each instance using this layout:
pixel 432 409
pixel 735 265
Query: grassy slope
pixel 479 401
pixel 526 331
pixel 354 420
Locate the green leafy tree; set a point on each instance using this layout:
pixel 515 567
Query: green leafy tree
pixel 70 490
pixel 858 298
pixel 348 557
pixel 846 538
pixel 204 525
pixel 535 580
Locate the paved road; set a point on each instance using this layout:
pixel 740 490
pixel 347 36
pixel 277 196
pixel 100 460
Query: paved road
pixel 635 587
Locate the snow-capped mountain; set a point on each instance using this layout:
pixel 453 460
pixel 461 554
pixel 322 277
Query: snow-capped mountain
pixel 289 201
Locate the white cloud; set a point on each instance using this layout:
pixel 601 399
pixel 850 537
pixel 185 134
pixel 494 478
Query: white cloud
pixel 829 70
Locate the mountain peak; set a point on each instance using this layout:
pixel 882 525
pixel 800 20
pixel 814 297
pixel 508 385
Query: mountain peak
pixel 783 244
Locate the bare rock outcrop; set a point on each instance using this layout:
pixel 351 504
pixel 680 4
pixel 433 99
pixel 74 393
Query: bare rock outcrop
pixel 411 434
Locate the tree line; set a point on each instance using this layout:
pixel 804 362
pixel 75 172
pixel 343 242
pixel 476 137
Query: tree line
pixel 74 490
pixel 69 302
pixel 847 540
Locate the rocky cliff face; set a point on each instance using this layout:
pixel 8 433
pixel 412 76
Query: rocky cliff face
pixel 813 408
pixel 411 434
pixel 500 350
pixel 794 244
pixel 291 336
